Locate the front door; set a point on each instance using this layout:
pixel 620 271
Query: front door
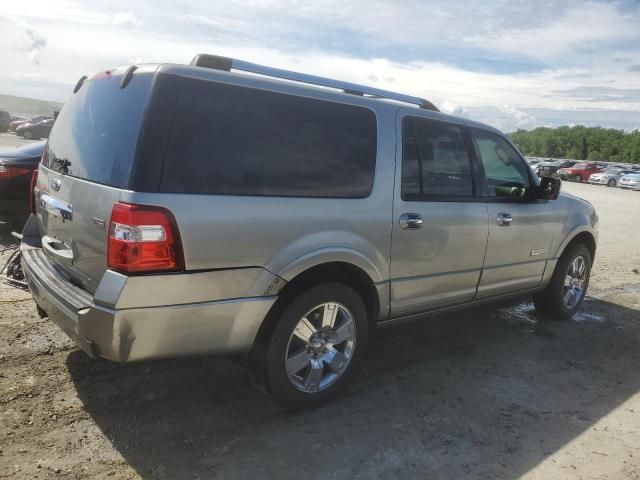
pixel 521 229
pixel 440 221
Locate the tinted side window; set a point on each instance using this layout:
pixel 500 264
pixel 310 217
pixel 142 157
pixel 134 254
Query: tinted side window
pixel 234 140
pixel 506 173
pixel 435 161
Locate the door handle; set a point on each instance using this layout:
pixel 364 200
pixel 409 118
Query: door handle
pixel 56 207
pixel 410 221
pixel 504 219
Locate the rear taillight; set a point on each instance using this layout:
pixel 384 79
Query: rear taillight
pixel 143 238
pixel 7 171
pixel 32 191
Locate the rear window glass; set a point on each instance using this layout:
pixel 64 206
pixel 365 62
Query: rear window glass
pixel 95 135
pixel 232 140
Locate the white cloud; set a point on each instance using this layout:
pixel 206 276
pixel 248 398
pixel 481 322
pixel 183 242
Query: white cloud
pixel 126 19
pixel 29 40
pixel 511 63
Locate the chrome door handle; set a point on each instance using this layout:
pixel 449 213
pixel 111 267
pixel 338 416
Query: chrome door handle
pixel 410 221
pixel 56 207
pixel 504 219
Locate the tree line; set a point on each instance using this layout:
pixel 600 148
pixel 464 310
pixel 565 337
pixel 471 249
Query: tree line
pixel 580 143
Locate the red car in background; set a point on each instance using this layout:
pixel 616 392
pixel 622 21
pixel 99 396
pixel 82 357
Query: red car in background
pixel 580 172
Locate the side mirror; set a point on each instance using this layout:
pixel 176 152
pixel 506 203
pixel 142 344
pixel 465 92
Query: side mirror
pixel 549 188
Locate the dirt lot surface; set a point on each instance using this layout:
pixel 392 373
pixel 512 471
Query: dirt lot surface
pixel 494 393
pixel 11 140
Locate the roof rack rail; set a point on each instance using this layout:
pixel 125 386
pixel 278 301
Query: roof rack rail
pixel 227 64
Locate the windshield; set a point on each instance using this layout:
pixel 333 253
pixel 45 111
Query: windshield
pixel 613 171
pixel 581 165
pixel 96 133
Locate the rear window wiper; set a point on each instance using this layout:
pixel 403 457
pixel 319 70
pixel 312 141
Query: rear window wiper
pixel 61 165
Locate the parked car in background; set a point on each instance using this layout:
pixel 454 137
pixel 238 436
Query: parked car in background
pixel 5 120
pixel 16 168
pixel 35 130
pixel 630 181
pixel 549 169
pixel 609 177
pixel 17 123
pixel 580 172
pixel 185 210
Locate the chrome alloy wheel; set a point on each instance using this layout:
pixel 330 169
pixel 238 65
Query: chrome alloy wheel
pixel 320 347
pixel 574 282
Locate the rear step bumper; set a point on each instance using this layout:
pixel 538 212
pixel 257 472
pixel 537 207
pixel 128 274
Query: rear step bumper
pixel 125 321
pixel 62 300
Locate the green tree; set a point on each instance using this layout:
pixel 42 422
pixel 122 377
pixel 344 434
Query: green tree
pixel 580 143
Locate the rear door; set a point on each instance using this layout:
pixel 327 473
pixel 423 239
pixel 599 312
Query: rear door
pixel 85 166
pixel 440 220
pixel 520 229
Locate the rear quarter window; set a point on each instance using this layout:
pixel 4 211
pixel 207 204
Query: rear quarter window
pixel 232 140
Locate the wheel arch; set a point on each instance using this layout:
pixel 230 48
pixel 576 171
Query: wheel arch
pixel 340 271
pixel 585 237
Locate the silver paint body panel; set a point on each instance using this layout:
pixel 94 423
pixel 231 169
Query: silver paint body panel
pixel 239 251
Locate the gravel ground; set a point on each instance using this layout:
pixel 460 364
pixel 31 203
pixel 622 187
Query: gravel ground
pixel 11 140
pixel 493 393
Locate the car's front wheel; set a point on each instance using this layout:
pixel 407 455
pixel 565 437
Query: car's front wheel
pixel 28 135
pixel 568 286
pixel 316 345
pixel 578 178
pixel 611 183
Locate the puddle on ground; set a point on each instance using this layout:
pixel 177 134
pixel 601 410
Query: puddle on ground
pixel 587 317
pixel 523 316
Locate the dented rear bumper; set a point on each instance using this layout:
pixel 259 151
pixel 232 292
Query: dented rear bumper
pixel 154 316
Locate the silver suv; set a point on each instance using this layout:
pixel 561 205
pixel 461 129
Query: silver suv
pixel 185 210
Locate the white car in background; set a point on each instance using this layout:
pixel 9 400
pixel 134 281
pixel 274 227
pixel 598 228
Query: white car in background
pixel 630 181
pixel 609 177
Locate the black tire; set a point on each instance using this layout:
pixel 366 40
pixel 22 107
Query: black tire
pixel 578 178
pixel 276 349
pixel 28 135
pixel 550 302
pixel 611 183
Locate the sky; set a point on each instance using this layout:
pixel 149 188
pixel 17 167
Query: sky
pixel 509 63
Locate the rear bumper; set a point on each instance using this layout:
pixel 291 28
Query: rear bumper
pixel 121 330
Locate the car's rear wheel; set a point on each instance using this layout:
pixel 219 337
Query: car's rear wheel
pixel 568 286
pixel 316 345
pixel 611 183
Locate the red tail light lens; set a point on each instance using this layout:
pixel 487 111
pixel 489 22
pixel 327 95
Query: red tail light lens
pixel 11 172
pixel 32 193
pixel 143 238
